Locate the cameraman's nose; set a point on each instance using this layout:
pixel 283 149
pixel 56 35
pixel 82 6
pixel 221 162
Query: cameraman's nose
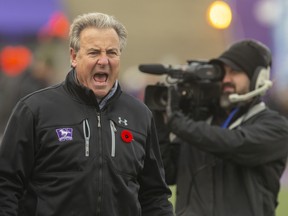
pixel 227 75
pixel 226 78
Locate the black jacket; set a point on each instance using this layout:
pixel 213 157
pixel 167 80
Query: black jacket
pixel 231 171
pixel 75 159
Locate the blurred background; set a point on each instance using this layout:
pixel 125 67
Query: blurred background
pixel 34 50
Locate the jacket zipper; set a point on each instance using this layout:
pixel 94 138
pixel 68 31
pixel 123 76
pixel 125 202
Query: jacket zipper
pixel 86 131
pixel 113 132
pixel 99 121
pixel 99 199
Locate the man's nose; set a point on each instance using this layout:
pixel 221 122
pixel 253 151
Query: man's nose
pixel 227 77
pixel 103 60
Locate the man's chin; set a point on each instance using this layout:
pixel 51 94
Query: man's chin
pixel 225 102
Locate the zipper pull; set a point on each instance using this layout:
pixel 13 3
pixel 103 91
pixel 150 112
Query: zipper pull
pixel 99 120
pixel 86 131
pixel 113 132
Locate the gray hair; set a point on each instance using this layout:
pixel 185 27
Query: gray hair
pixel 97 20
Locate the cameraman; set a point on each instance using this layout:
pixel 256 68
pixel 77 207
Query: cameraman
pixel 230 163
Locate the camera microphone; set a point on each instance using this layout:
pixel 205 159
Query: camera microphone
pixel 157 69
pixel 194 71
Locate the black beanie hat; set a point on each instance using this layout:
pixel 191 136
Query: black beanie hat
pixel 246 55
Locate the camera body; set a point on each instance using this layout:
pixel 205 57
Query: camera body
pixel 198 84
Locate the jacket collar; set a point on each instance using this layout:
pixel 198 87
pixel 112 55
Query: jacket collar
pixel 86 95
pixel 251 112
pixel 244 116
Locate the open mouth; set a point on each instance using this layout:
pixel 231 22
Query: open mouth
pixel 100 77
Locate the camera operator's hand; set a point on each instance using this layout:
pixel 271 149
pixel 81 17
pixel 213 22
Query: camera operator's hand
pixel 172 101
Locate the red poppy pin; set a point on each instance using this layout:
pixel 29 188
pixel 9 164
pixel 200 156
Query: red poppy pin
pixel 126 136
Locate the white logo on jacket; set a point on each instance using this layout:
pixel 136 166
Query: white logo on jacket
pixel 124 121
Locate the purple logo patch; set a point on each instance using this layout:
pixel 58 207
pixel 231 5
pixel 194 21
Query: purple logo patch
pixel 64 134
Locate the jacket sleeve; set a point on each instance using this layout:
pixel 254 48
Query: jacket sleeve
pixel 261 139
pixel 16 158
pixel 154 192
pixel 169 150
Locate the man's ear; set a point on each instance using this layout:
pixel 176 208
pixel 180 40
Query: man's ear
pixel 73 55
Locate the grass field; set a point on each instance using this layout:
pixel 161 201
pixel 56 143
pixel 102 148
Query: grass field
pixel 282 209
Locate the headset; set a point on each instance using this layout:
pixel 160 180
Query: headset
pixel 260 82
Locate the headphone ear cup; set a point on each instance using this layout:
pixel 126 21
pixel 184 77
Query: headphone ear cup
pixel 261 74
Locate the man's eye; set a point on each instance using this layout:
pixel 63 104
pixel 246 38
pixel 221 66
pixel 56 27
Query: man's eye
pixel 94 53
pixel 112 53
pixel 109 53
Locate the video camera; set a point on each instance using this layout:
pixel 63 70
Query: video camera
pixel 198 84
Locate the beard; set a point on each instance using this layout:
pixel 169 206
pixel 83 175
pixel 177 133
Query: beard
pixel 225 102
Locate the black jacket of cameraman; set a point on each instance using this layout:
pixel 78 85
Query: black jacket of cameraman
pixel 226 171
